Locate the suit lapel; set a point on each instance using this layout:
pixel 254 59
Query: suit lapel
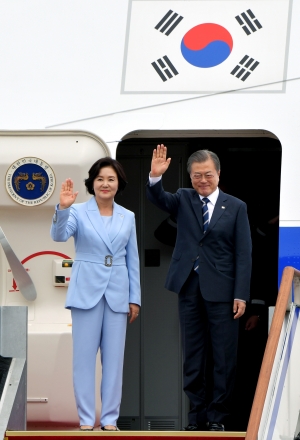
pixel 97 222
pixel 219 210
pixel 197 206
pixel 117 221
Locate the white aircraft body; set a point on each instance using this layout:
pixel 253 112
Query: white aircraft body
pixel 80 80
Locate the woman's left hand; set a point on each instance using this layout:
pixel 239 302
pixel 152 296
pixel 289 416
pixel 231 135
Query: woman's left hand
pixel 134 311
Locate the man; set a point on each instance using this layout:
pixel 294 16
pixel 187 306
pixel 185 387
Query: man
pixel 210 270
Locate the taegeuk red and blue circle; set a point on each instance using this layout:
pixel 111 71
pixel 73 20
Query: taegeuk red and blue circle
pixel 206 45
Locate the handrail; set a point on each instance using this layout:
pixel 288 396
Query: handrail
pixel 13 400
pixel 268 360
pixel 20 274
pixel 13 344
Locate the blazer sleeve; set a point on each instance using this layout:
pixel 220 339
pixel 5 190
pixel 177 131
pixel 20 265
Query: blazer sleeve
pixel 243 251
pixel 64 224
pixel 133 267
pixel 162 199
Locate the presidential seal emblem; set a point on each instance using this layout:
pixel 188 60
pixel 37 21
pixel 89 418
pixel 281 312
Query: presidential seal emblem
pixel 30 181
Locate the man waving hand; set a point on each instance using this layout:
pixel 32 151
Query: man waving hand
pixel 210 271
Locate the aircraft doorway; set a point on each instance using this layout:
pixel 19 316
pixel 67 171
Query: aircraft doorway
pixel 250 170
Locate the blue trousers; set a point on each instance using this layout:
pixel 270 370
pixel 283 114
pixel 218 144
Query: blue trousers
pixel 92 329
pixel 201 320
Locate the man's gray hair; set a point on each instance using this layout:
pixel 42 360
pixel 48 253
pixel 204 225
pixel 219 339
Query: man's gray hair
pixel 203 156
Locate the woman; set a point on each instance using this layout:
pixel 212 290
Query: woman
pixel 104 286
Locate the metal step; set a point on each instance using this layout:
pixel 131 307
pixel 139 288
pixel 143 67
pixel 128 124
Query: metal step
pixel 136 435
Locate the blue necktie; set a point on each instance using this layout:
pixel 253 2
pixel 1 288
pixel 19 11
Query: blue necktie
pixel 205 215
pixel 205 201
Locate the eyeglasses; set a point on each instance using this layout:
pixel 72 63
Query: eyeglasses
pixel 206 176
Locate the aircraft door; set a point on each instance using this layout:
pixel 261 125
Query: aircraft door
pixel 34 165
pixel 250 170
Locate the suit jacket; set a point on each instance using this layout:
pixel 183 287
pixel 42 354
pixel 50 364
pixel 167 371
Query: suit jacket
pixel 224 250
pixel 91 278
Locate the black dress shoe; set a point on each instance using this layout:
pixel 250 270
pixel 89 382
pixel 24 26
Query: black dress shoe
pixel 215 426
pixel 191 428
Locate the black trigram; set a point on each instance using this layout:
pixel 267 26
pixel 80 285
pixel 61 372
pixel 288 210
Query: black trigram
pixel 164 67
pixel 169 22
pixel 248 22
pixel 244 68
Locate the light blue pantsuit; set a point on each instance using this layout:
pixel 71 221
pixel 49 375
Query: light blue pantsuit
pixel 104 281
pixel 110 328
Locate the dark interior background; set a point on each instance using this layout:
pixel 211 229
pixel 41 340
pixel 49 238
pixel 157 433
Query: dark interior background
pixel 250 170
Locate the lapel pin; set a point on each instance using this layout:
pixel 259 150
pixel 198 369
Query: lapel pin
pixel 223 207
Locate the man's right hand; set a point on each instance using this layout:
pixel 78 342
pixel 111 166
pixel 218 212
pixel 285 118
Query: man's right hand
pixel 160 163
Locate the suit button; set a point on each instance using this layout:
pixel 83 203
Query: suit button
pixel 201 244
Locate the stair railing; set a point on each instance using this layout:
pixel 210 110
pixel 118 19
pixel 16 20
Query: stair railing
pixel 290 278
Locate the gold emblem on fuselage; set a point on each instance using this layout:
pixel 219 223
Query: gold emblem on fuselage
pixel 21 176
pixel 38 178
pixel 30 186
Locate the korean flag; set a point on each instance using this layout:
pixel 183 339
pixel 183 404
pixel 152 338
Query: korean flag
pixel 200 46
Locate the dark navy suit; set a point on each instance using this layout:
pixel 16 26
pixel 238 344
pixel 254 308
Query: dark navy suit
pixel 206 298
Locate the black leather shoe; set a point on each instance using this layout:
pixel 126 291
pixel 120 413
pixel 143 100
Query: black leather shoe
pixel 215 426
pixel 191 428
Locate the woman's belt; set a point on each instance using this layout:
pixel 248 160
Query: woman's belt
pixel 106 260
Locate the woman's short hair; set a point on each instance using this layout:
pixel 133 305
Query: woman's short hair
pixel 102 163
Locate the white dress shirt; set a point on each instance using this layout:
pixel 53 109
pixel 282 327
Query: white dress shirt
pixel 212 202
